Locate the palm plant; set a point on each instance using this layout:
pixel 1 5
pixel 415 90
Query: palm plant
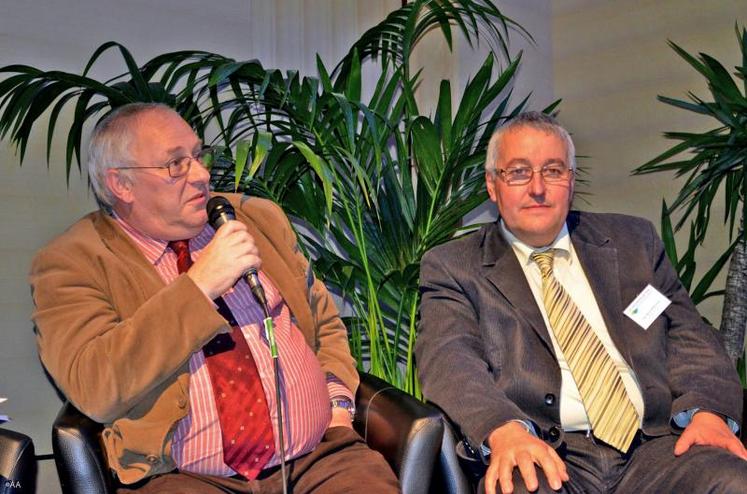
pixel 716 163
pixel 370 185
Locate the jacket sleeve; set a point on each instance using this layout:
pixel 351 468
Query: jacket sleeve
pixel 105 342
pixel 453 370
pixel 701 374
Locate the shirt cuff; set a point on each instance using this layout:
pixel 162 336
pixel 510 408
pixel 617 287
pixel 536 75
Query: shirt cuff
pixel 684 418
pixel 337 389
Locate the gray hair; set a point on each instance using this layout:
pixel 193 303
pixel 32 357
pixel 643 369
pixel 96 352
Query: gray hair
pixel 110 145
pixel 534 120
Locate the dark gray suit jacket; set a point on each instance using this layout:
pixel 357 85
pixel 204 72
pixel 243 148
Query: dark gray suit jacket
pixel 485 356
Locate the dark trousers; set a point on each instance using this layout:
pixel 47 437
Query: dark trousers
pixel 341 463
pixel 650 467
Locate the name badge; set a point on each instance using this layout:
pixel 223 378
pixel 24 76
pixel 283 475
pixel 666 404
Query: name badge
pixel 647 306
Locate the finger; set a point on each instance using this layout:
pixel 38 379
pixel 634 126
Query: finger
pixel 551 471
pixel 230 226
pixel 491 478
pixel 528 472
pixel 736 447
pixel 683 444
pixel 505 476
pixel 247 261
pixel 560 465
pixel 552 457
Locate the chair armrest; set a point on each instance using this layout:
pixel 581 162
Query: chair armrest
pixel 405 431
pixel 17 462
pixel 451 475
pixel 80 460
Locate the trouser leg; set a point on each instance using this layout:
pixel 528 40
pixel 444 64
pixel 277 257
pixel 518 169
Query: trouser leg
pixel 703 469
pixel 342 463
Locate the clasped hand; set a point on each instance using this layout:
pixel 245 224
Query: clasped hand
pixel 226 258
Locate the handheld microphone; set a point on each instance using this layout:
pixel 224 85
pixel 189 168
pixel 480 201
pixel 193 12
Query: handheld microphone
pixel 220 212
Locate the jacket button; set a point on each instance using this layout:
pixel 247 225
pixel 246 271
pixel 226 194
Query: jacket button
pixel 152 459
pixel 549 399
pixel 554 433
pixel 181 402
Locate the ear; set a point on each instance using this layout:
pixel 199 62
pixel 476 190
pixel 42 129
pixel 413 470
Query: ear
pixel 572 191
pixel 490 185
pixel 120 185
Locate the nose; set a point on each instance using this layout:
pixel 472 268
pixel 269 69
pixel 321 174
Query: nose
pixel 537 184
pixel 198 173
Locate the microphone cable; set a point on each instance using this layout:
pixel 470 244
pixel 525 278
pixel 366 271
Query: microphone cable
pixel 220 211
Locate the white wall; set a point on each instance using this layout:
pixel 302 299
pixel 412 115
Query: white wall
pixel 36 203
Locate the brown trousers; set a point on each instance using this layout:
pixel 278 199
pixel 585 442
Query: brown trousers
pixel 341 463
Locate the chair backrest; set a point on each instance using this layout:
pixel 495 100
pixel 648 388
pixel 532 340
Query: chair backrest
pixel 450 474
pixel 17 463
pixel 408 433
pixel 78 456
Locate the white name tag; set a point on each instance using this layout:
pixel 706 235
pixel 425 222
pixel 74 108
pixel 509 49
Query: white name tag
pixel 647 306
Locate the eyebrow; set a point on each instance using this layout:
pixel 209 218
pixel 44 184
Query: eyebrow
pixel 178 149
pixel 526 162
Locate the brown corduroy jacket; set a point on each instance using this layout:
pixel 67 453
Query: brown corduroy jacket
pixel 117 340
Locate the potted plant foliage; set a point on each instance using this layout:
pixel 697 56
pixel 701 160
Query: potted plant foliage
pixel 370 185
pixel 714 163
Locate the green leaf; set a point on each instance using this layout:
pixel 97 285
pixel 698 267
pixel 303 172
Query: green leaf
pixel 667 234
pixel 321 168
pixel 242 155
pixel 427 152
pixel 442 120
pixel 261 148
pixel 698 294
pixel 353 85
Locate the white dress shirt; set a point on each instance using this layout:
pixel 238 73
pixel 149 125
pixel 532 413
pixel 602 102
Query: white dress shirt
pixel 568 271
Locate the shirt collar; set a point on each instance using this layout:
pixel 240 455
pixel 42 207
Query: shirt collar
pixel 561 245
pixel 153 248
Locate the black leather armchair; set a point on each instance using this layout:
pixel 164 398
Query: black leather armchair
pixel 17 463
pixel 408 433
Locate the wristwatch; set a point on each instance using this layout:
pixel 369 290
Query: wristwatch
pixel 346 403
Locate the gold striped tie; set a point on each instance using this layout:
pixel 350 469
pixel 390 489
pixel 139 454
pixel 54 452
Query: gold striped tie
pixel 611 413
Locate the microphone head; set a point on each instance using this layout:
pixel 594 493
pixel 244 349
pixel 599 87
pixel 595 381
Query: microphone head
pixel 219 211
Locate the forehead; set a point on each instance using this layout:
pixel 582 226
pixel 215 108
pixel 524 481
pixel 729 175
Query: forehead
pixel 162 131
pixel 528 142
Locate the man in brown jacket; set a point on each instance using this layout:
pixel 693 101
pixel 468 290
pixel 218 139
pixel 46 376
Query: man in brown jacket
pixel 122 321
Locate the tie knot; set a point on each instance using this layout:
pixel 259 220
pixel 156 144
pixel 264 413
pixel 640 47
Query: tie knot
pixel 179 246
pixel 544 260
pixel 183 259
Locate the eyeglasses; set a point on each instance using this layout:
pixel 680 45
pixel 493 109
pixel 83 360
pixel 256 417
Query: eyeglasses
pixel 177 167
pixel 522 175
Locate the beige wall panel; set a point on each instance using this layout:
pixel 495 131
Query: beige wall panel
pixel 611 60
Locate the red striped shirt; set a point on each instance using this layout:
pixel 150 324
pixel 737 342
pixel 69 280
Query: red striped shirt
pixel 305 393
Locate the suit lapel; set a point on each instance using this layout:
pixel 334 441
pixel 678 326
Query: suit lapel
pixel 116 240
pixel 503 270
pixel 599 261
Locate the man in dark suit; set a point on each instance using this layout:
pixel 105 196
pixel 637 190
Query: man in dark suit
pixel 564 340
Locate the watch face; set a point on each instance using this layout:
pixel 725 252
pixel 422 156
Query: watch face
pixel 346 404
pixel 342 403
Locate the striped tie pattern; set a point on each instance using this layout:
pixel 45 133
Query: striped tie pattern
pixel 611 413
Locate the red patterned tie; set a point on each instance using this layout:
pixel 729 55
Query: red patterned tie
pixel 246 428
